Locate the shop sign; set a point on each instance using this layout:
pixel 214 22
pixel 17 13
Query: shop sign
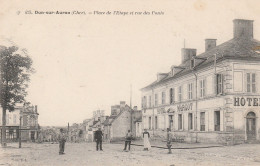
pixel 246 101
pixel 184 107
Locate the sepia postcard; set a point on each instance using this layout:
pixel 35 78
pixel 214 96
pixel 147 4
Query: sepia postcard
pixel 133 82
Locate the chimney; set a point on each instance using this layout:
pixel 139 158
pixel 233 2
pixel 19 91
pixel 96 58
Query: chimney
pixel 187 54
pixel 210 43
pixel 135 108
pixel 122 104
pixel 243 28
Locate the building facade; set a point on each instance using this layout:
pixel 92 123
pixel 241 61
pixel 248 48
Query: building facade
pixel 211 97
pixel 29 123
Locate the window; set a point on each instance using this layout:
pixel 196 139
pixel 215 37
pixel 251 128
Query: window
pixel 180 121
pixel 219 84
pixel 202 88
pixel 156 122
pixel 155 99
pixel 163 97
pixel 217 120
pixel 179 93
pixel 7 118
pixel 150 122
pixel 150 101
pixel 251 82
pixel 190 122
pixel 171 95
pixel 202 121
pixel 145 102
pixel 14 119
pixel 190 86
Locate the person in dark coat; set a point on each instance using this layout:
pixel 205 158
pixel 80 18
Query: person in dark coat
pixel 62 140
pixel 128 139
pixel 98 138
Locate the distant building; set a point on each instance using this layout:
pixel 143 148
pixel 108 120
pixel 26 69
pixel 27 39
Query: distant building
pixel 91 125
pixel 120 121
pixel 211 97
pixel 29 123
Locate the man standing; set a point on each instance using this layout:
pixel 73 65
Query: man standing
pixel 62 140
pixel 98 138
pixel 128 139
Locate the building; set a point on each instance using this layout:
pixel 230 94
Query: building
pixel 29 123
pixel 121 120
pixel 211 97
pixel 92 125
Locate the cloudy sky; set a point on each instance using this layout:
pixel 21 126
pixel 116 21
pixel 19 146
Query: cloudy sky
pixel 88 62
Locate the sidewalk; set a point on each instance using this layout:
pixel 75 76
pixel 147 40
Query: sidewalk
pixel 175 145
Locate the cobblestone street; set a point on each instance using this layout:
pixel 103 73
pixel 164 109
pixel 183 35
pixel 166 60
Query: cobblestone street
pixel 85 154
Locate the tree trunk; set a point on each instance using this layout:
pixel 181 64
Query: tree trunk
pixel 4 128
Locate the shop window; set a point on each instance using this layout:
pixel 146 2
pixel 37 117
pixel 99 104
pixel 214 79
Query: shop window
pixel 155 99
pixel 251 82
pixel 217 120
pixel 190 121
pixel 180 93
pixel 202 121
pixel 219 84
pixel 156 122
pixel 163 97
pixel 190 86
pixel 180 121
pixel 171 95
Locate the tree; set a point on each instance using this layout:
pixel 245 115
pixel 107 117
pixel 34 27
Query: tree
pixel 15 71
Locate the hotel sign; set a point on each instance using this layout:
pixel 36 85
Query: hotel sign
pixel 184 107
pixel 248 101
pixel 162 110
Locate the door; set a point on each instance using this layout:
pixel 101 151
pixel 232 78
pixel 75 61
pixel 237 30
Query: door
pixel 251 126
pixel 32 136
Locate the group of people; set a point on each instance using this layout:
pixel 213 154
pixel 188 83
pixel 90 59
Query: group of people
pixel 98 139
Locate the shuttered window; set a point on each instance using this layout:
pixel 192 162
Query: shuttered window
pixel 202 121
pixel 219 83
pixel 251 82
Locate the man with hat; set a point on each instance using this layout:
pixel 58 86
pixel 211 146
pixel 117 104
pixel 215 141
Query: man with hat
pixel 98 138
pixel 62 140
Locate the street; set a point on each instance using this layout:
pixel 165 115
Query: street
pixel 85 154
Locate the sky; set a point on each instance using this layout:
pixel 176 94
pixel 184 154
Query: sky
pixel 88 62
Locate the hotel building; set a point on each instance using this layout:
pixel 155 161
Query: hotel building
pixel 210 97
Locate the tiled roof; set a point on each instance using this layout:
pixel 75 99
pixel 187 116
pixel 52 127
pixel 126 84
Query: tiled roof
pixel 236 48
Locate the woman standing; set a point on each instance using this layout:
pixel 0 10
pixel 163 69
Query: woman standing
pixel 146 137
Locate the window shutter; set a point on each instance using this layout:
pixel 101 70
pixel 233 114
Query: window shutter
pixel 222 83
pixel 215 80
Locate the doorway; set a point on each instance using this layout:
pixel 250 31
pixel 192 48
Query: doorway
pixel 251 126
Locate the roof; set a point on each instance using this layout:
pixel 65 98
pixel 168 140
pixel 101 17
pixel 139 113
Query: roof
pixel 236 48
pixel 111 119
